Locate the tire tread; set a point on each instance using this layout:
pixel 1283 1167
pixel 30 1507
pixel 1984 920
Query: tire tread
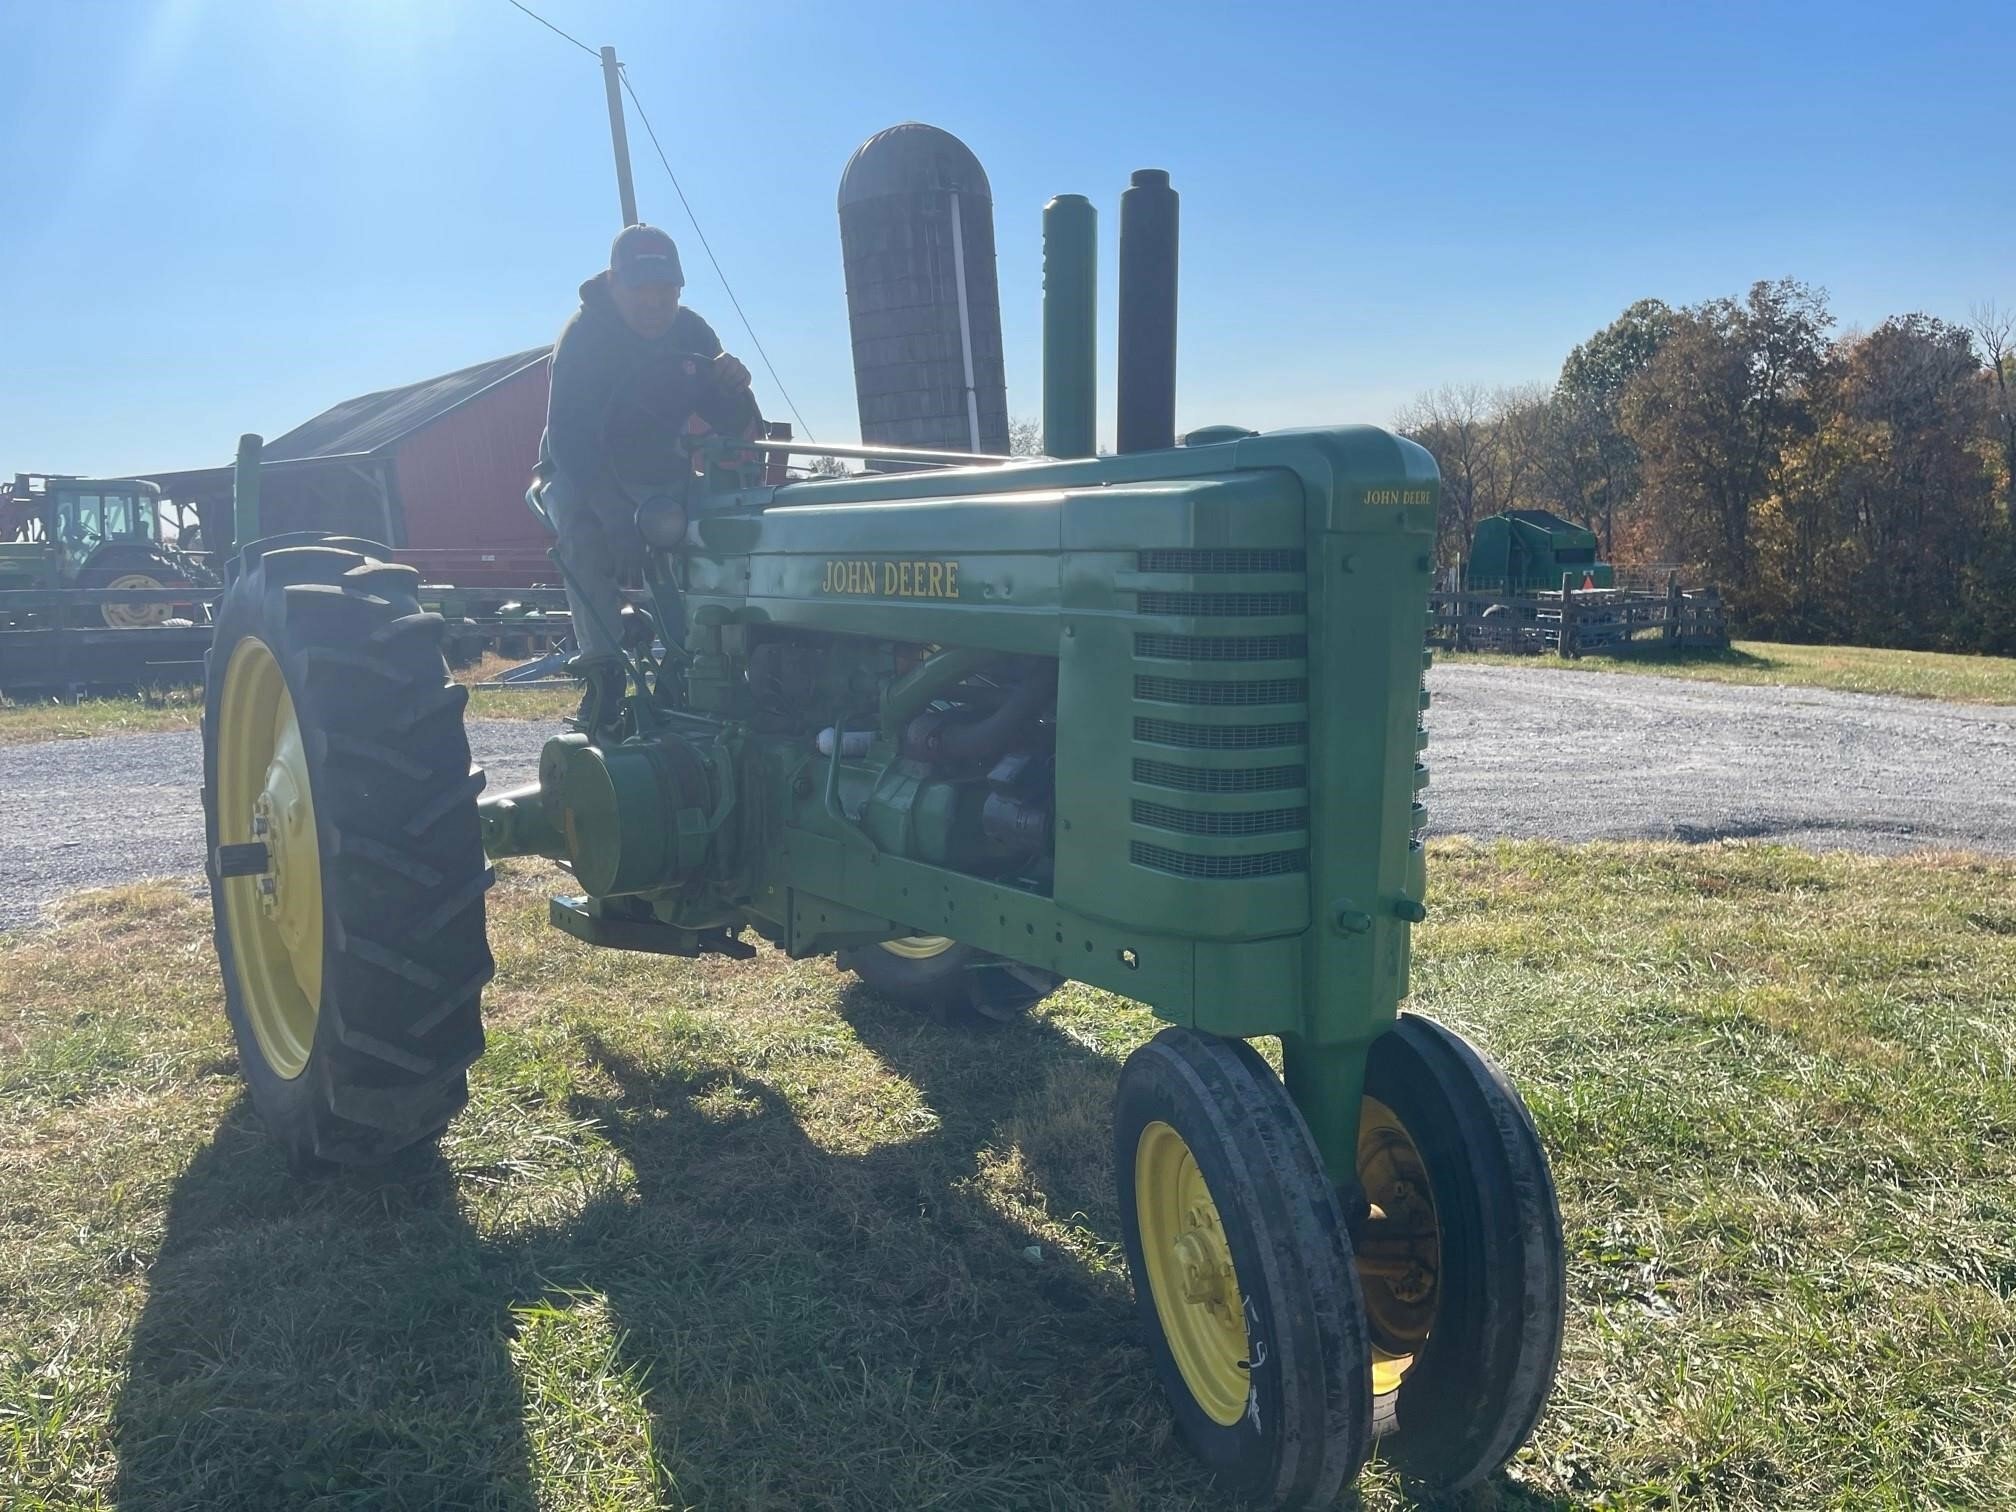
pixel 395 795
pixel 1504 1379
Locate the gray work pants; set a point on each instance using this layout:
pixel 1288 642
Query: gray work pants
pixel 599 544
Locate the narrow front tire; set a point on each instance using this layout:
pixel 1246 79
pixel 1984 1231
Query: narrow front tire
pixel 1459 1258
pixel 1242 1269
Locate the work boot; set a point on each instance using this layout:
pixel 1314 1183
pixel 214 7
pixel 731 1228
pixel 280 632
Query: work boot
pixel 606 683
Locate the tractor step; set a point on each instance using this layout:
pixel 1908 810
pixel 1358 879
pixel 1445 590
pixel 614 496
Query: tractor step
pixel 593 920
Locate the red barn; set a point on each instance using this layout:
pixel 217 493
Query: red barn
pixel 436 469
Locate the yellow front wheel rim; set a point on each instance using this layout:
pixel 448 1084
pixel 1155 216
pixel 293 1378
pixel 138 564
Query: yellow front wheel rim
pixel 134 616
pixel 1399 1252
pixel 919 947
pixel 273 920
pixel 1190 1273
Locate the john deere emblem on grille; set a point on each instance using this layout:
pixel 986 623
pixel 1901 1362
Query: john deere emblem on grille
pixel 886 579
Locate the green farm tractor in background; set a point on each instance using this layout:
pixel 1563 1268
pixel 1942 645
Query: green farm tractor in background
pixel 83 533
pixel 1151 722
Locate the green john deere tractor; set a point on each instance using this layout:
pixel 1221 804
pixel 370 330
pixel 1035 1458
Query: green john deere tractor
pixel 1149 721
pixel 62 532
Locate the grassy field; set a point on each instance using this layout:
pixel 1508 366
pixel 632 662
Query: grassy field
pixel 31 719
pixel 1850 669
pixel 740 1235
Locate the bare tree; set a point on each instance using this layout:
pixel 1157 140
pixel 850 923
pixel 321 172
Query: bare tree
pixel 1453 423
pixel 1489 445
pixel 1025 437
pixel 1518 432
pixel 1995 329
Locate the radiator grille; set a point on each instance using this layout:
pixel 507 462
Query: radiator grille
pixel 1185 822
pixel 1216 868
pixel 1222 559
pixel 1227 605
pixel 1219 737
pixel 1182 836
pixel 1181 690
pixel 1210 648
pixel 1272 779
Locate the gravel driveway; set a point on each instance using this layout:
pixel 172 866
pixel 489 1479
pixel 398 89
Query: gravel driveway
pixel 89 813
pixel 1515 753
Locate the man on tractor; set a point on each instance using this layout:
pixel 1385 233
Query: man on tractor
pixel 634 374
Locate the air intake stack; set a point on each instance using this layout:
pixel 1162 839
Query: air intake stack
pixel 1070 327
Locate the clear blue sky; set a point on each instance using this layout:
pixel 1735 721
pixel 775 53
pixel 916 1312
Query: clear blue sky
pixel 225 215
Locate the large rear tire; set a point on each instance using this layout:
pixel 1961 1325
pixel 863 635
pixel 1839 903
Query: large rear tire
pixel 352 948
pixel 118 616
pixel 127 564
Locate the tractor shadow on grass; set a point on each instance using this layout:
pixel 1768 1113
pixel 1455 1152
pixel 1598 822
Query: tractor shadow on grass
pixel 798 1325
pixel 319 1343
pixel 808 1327
pixel 870 1328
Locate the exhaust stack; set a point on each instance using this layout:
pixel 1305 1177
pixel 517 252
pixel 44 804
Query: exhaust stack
pixel 1147 356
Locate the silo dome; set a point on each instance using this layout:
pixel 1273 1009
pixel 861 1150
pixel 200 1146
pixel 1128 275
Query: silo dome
pixel 908 158
pixel 917 237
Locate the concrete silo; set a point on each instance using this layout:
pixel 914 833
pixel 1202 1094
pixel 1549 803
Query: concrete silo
pixel 917 236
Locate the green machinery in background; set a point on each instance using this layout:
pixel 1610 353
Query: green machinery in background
pixel 1149 721
pixel 1533 551
pixel 62 533
pixel 93 593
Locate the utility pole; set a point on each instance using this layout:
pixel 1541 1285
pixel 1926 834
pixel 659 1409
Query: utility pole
pixel 612 82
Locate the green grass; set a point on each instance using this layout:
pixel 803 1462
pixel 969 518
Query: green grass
pixel 720 1234
pixel 25 718
pixel 29 719
pixel 1850 669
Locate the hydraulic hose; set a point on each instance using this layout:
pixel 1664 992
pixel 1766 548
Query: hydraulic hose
pixel 986 739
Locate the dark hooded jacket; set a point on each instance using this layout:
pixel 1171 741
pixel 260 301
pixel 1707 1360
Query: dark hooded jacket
pixel 619 402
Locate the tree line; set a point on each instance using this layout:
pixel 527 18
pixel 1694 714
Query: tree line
pixel 1856 488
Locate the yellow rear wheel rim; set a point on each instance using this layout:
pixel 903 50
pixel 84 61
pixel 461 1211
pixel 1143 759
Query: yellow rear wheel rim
pixel 1190 1273
pixel 919 947
pixel 1399 1252
pixel 273 920
pixel 134 616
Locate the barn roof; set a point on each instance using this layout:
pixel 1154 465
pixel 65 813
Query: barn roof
pixel 372 422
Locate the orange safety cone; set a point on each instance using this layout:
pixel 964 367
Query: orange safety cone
pixel 1588 580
